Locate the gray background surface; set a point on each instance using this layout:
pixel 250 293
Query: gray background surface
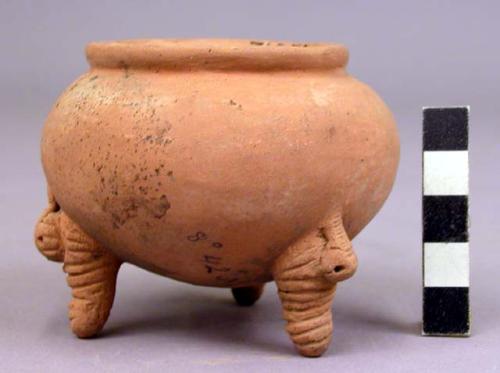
pixel 413 53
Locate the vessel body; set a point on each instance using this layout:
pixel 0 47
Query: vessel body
pixel 204 160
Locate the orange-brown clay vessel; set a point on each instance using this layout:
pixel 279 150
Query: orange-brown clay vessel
pixel 224 163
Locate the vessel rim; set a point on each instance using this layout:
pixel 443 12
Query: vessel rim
pixel 215 54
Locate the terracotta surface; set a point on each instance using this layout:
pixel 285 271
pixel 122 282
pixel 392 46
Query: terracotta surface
pixel 223 163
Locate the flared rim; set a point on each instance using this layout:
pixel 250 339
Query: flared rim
pixel 215 54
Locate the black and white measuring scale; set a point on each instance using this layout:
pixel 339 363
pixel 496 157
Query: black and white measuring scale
pixel 445 207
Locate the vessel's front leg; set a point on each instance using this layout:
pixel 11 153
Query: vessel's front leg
pixel 91 273
pixel 306 275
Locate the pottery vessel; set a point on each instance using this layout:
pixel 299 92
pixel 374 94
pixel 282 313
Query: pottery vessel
pixel 225 163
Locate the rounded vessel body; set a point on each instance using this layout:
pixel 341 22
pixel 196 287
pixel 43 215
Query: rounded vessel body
pixel 204 160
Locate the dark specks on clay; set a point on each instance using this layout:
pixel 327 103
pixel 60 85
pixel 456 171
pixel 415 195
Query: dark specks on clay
pixel 234 103
pixel 128 211
pixel 161 207
pixel 260 43
pixel 159 137
pixel 156 207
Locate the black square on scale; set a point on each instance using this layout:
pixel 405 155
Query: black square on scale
pixel 445 219
pixel 446 311
pixel 446 128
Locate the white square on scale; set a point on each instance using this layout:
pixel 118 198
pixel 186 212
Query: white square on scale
pixel 446 173
pixel 446 264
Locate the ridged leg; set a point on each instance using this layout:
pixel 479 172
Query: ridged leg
pixel 47 235
pixel 308 314
pixel 91 273
pixel 306 275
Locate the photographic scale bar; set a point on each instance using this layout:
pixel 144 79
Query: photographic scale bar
pixel 445 215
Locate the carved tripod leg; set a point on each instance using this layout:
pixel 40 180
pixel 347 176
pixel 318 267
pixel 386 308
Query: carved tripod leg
pixel 306 275
pixel 248 295
pixel 47 235
pixel 91 273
